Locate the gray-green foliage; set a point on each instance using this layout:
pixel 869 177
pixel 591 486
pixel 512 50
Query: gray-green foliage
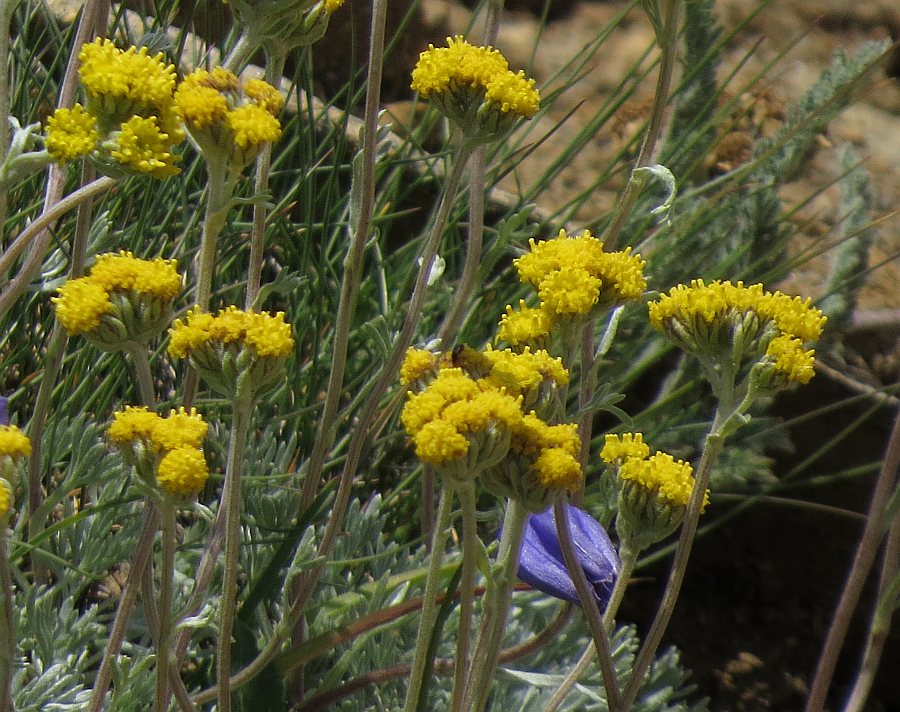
pixel 850 258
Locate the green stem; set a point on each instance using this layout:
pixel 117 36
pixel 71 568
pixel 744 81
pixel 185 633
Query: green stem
pixel 454 317
pixel 240 53
pixel 385 378
pixel 143 375
pixel 231 501
pixel 714 443
pixel 56 349
pixel 139 562
pixel 496 604
pixel 353 262
pixel 628 559
pixel 588 605
pixel 586 386
pixel 470 548
pixel 164 634
pixel 7 626
pixel 668 55
pixel 429 601
pixel 880 626
pixel 274 70
pixel 7 7
pixel 859 571
pixel 23 278
pixel 220 188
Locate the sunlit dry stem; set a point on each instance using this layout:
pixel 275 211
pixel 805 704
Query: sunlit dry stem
pixel 668 60
pixel 588 605
pixel 429 600
pixel 859 571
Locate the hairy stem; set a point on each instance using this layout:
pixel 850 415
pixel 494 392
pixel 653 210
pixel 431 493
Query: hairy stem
pixel 470 547
pixel 496 605
pixel 454 318
pixel 714 444
pixel 859 571
pixel 164 629
pixel 7 625
pixel 668 45
pixel 232 502
pixel 220 188
pixel 629 559
pixel 274 70
pixel 588 605
pixel 429 601
pixel 116 637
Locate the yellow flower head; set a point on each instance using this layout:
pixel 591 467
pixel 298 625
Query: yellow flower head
pixel 458 64
pixel 525 326
pixel 569 292
pixel 475 88
pixel 417 364
pixel 6 497
pixel 264 334
pixel 438 442
pixel 661 475
pixel 574 274
pixel 623 447
pixel 14 443
pixel 253 126
pixel 71 133
pixel 558 469
pixel 133 424
pixel 519 373
pixel 226 119
pixel 790 359
pixel 333 5
pixel 80 305
pixel 182 471
pixel 514 93
pixel 182 429
pixel 119 271
pixel 123 300
pixel 265 95
pixel 704 319
pixel 121 84
pixel 143 146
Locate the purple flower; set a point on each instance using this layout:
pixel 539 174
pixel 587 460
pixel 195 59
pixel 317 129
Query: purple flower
pixel 541 563
pixel 4 414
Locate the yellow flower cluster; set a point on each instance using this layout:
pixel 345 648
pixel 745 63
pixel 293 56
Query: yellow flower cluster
pixel 465 415
pixel 452 407
pixel 130 121
pixel 553 450
pixel 574 278
pixel 175 443
pixel 226 119
pixel 266 335
pixel 474 87
pixel 523 373
pixel 121 84
pixel 785 323
pixel 6 497
pixel 120 286
pixel 417 364
pixel 71 133
pixel 660 475
pixel 14 443
pixel 619 448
